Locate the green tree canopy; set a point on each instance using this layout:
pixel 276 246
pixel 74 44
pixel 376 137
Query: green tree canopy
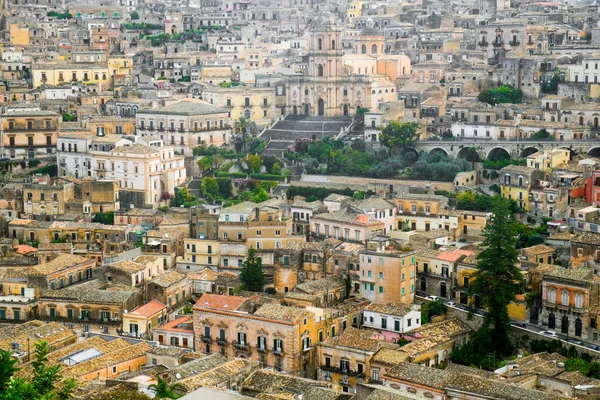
pixel 251 274
pixel 501 94
pixel 45 384
pixel 254 163
pixel 210 188
pixel 399 134
pixel 165 391
pixel 497 280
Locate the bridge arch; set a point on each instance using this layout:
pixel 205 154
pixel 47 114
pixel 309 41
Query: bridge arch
pixel 469 154
pixel 412 151
pixel 497 153
pixel 594 152
pixel 527 151
pixel 438 150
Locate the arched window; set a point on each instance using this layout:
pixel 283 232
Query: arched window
pixel 319 70
pixel 345 92
pixel 373 91
pixel 306 92
pixel 565 298
pixel 333 45
pixel 581 120
pixel 579 300
pixel 364 49
pixel 520 181
pixel 552 295
pixel 374 49
pixel 320 44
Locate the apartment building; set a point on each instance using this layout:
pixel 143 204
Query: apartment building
pixel 387 273
pixel 185 124
pixel 29 133
pixel 277 336
pixel 253 103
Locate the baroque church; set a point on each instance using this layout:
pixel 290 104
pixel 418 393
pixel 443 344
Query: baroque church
pixel 328 89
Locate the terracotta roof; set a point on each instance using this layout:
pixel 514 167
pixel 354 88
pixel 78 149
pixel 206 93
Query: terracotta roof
pixel 25 249
pixel 279 312
pixel 389 357
pixel 181 324
pixel 59 263
pixel 149 309
pixel 219 302
pixel 353 338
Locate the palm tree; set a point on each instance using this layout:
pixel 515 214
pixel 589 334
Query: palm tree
pixel 165 391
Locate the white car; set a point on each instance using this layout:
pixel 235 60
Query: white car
pixel 450 303
pixel 551 334
pixel 431 297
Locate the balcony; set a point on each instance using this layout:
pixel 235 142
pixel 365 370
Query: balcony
pixel 221 342
pixel 241 346
pixel 498 44
pixel 338 370
pixel 483 44
pixel 261 349
pixel 248 105
pixel 278 352
pixel 514 43
pixel 206 339
pixel 265 105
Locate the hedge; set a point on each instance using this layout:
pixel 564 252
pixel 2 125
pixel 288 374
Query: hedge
pixel 268 177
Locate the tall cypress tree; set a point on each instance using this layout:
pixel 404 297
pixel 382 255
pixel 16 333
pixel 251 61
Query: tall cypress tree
pixel 252 275
pixel 498 279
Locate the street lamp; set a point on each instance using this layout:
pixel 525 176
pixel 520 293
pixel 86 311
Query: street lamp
pixel 323 129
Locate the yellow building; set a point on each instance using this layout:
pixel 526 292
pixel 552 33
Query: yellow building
pixel 216 74
pixel 58 74
pixel 344 360
pixel 109 125
pixel 548 159
pixel 471 224
pixel 253 103
pixel 269 230
pixel 119 66
pixel 140 321
pixel 517 182
pixel 19 35
pixel 199 254
pixel 31 133
pixel 354 9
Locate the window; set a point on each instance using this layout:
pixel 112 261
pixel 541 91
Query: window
pixel 552 295
pixel 578 300
pixel 397 325
pixel 383 323
pixel 565 298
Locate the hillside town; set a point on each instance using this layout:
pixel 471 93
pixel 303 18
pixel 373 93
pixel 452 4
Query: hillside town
pixel 300 199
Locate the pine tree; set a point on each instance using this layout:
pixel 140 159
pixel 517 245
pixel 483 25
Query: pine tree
pixel 498 279
pixel 252 275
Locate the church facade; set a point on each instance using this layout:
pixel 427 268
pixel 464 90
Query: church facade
pixel 327 89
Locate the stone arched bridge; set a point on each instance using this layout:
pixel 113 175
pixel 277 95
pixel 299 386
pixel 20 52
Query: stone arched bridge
pixel 502 148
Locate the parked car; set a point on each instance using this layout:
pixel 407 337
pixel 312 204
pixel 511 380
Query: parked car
pixel 592 346
pixel 575 341
pixel 432 297
pixel 551 334
pixel 450 303
pixel 519 324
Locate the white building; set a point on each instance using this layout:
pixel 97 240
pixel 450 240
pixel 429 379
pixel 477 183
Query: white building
pixel 145 165
pixel 392 317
